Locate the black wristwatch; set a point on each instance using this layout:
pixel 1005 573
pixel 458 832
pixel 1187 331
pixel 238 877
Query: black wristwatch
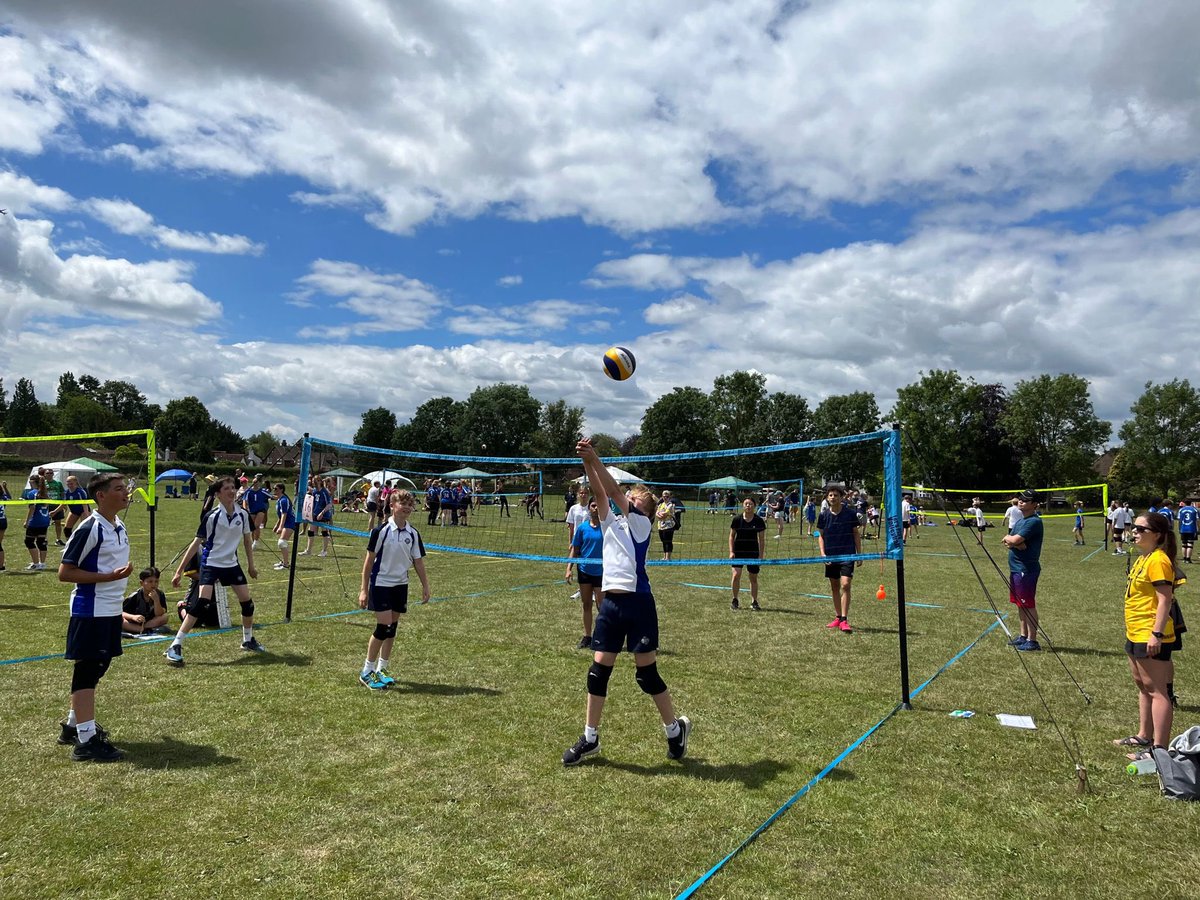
pixel 1157 634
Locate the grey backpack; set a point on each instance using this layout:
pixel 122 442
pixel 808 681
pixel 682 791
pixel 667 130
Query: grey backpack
pixel 1179 766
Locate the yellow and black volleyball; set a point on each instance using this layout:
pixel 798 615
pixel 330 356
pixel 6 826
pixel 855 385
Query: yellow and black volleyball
pixel 619 363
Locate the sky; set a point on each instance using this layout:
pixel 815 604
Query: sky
pixel 300 211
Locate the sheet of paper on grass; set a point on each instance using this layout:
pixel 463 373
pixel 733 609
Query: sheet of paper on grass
pixel 1016 721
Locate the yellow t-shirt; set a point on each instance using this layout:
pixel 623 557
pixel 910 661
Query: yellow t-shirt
pixel 1141 597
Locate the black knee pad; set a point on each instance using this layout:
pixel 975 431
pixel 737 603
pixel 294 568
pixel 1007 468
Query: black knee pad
pixel 67 529
pixel 41 543
pixel 381 632
pixel 649 680
pixel 391 631
pixel 597 679
pixel 30 543
pixel 87 674
pixel 247 608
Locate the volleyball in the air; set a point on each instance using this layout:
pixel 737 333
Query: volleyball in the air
pixel 619 363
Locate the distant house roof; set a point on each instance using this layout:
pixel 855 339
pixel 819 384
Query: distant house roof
pixel 289 455
pixel 49 450
pixel 1104 462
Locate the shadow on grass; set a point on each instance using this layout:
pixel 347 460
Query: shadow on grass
pixel 751 774
pixel 441 690
pixel 168 753
pixel 17 606
pixel 863 630
pixel 781 610
pixel 1088 651
pixel 261 659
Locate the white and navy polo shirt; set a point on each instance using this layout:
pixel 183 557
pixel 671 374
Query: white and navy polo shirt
pixel 395 550
pixel 626 540
pixel 98 545
pixel 221 532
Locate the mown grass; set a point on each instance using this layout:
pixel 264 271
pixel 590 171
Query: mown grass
pixel 280 775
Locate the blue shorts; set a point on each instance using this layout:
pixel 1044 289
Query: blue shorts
pixel 626 619
pixel 388 599
pixel 228 577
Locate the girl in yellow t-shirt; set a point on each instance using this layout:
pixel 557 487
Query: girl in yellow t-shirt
pixel 1150 636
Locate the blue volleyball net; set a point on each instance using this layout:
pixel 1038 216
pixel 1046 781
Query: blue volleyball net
pixel 516 507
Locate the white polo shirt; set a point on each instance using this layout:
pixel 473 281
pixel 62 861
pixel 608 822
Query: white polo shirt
pixel 98 545
pixel 221 533
pixel 395 551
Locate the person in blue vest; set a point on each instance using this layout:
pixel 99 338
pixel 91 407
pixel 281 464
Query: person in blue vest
pixel 449 512
pixel 587 543
pixel 255 501
pixel 1078 533
pixel 285 527
pixel 37 523
pixel 1187 527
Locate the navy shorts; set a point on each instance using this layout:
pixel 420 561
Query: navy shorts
pixel 388 599
pixel 228 577
pixel 750 567
pixel 1187 538
pixel 630 620
pixel 372 506
pixel 839 570
pixel 94 637
pixel 1138 650
pixel 585 578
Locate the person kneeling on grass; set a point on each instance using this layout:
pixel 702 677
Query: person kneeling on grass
pixel 145 610
pixel 219 533
pixel 96 561
pixel 627 612
pixel 393 548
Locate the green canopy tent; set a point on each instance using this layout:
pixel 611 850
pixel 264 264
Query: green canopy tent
pixel 467 472
pixel 340 474
pixel 730 483
pixel 94 464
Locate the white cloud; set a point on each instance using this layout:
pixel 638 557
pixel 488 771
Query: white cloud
pixel 387 302
pixel 629 115
pixel 645 271
pixel 509 280
pixel 537 318
pixel 128 218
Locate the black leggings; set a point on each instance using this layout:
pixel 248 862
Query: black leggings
pixel 667 536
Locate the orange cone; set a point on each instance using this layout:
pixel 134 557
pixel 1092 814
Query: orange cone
pixel 881 594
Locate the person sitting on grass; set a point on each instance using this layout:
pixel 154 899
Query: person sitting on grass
pixel 392 549
pixel 145 610
pixel 627 613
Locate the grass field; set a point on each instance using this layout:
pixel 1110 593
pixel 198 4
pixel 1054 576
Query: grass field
pixel 277 776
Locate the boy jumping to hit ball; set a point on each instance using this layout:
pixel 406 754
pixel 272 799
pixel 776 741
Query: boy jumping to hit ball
pixel 393 548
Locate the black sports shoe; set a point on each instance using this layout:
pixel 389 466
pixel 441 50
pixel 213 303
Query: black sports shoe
pixel 98 749
pixel 733 604
pixel 677 746
pixel 253 646
pixel 584 642
pixel 69 734
pixel 754 606
pixel 582 749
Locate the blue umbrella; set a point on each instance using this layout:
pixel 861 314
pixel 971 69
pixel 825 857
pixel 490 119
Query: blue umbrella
pixel 174 475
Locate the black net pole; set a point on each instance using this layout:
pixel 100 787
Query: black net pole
pixel 298 515
pixel 902 613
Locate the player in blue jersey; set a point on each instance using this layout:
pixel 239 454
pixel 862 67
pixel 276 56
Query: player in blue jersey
pixel 37 523
pixel 587 543
pixel 627 613
pixel 96 561
pixel 255 501
pixel 392 549
pixel 1078 533
pixel 285 527
pixel 1187 527
pixel 221 530
pixel 839 535
pixel 75 511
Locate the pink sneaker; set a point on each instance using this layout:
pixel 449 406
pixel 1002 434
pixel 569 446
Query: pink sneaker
pixel 845 626
pixel 836 623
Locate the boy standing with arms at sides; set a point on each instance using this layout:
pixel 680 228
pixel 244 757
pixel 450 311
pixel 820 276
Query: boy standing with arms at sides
pixel 1187 527
pixel 75 511
pixel 285 527
pixel 1121 519
pixel 906 513
pixel 1078 533
pixel 255 501
pixel 393 548
pixel 976 510
pixel 96 561
pixel 220 531
pixel 587 542
pixel 839 536
pixel 1024 566
pixel 627 612
pixel 747 541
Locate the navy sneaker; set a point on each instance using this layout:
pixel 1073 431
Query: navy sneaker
pixel 581 750
pixel 677 746
pixel 253 646
pixel 1029 646
pixel 1017 641
pixel 98 749
pixel 733 604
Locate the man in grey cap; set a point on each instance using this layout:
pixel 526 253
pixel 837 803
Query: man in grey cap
pixel 1024 564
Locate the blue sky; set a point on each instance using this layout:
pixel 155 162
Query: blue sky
pixel 341 205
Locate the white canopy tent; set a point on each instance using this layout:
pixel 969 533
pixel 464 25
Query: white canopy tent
pixel 62 469
pixel 383 476
pixel 620 476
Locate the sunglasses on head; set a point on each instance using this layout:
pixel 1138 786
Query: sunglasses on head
pixel 1142 529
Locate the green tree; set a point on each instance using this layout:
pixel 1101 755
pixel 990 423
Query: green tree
pixel 377 430
pixel 127 404
pixel 605 444
pixel 89 386
pixel 129 453
pixel 68 387
pixel 24 417
pixel 432 429
pixel 77 414
pixel 560 427
pixel 3 405
pixel 184 423
pixel 502 416
pixel 1160 451
pixel 629 446
pixel 788 419
pixel 263 443
pixel 941 414
pixel 1054 429
pixel 679 422
pixel 222 437
pixel 738 405
pixel 839 416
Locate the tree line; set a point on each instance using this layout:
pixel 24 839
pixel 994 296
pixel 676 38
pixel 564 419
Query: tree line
pixel 958 433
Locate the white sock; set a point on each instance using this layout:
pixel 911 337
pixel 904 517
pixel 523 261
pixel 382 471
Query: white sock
pixel 247 633
pixel 368 667
pixel 592 734
pixel 383 664
pixel 70 717
pixel 85 731
pixel 179 635
pixel 672 730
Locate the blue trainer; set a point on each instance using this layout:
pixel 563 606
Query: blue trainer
pixel 174 655
pixel 371 680
pixel 1029 646
pixel 384 678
